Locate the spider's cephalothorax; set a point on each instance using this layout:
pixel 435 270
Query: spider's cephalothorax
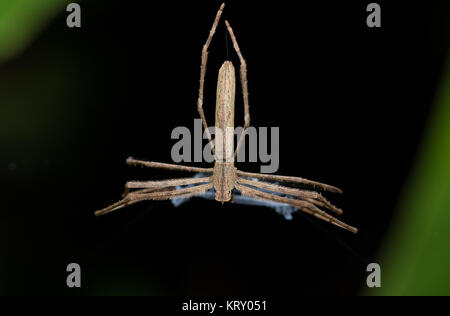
pixel 224 177
pixel 224 180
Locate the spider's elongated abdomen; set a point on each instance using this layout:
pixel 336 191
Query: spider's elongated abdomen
pixel 224 128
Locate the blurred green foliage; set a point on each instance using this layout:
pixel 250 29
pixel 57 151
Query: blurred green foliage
pixel 21 21
pixel 416 260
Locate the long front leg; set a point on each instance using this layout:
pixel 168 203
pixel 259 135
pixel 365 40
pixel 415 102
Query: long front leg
pixel 311 196
pixel 151 186
pixel 152 164
pixel 166 183
pixel 133 198
pixel 305 206
pixel 278 178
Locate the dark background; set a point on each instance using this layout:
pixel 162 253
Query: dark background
pixel 350 101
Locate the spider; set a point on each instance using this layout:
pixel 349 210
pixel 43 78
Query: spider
pixel 224 177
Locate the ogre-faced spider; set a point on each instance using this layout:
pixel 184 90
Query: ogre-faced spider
pixel 225 177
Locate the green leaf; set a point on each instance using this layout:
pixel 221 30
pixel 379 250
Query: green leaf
pixel 21 21
pixel 416 258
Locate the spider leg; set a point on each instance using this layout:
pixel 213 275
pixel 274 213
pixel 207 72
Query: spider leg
pixel 310 196
pixel 166 183
pixel 203 73
pixel 152 164
pixel 147 190
pixel 151 186
pixel 244 85
pixel 271 177
pixel 133 198
pixel 305 206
